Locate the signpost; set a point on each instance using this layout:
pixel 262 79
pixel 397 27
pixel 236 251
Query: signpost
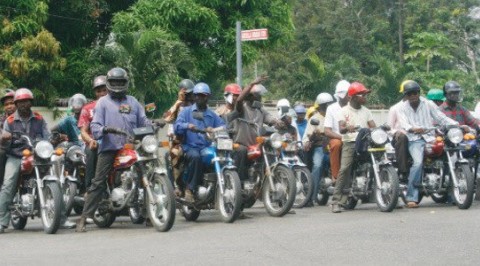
pixel 254 35
pixel 246 35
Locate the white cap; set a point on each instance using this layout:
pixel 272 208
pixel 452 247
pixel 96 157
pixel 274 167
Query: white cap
pixel 341 89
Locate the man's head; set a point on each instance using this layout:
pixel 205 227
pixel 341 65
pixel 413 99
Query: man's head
pixel 117 82
pixel 185 88
pixel 7 101
pixel 23 101
pixel 100 86
pixel 76 102
pixel 411 90
pixel 301 111
pixel 358 93
pixel 231 93
pixel 436 95
pixel 256 93
pixel 453 92
pixel 341 92
pixel 201 91
pixel 323 101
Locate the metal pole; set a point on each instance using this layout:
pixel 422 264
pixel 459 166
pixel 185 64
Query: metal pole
pixel 239 53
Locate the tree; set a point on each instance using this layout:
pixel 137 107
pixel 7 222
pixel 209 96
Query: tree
pixel 427 45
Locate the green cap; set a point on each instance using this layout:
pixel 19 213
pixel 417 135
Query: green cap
pixel 435 95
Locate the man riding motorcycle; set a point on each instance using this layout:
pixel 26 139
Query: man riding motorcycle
pixel 69 125
pixel 436 96
pixel 115 110
pixel 453 108
pixel 30 123
pixel 8 109
pixel 193 142
pixel 231 93
pixel 415 115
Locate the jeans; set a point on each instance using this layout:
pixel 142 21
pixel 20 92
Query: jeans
pixel 318 162
pixel 12 171
pixel 194 170
pixel 416 149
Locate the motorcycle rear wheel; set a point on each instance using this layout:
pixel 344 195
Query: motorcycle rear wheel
pixel 162 212
pixel 18 222
pixel 387 194
pixel 280 200
pixel 51 212
pixel 136 215
pixel 463 194
pixel 69 193
pixel 230 209
pixel 439 198
pixel 351 203
pixel 304 184
pixel 105 219
pixel 190 213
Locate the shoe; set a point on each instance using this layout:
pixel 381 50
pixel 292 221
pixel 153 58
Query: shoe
pixel 189 196
pixel 244 216
pixel 308 205
pixel 336 208
pixel 292 212
pixel 412 204
pixel 68 225
pixel 81 225
pixel 89 221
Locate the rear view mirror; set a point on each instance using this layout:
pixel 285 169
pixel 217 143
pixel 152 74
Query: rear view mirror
pixel 151 107
pixel 314 122
pixel 198 116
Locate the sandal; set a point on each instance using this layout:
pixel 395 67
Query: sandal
pixel 412 204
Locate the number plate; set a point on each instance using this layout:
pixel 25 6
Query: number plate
pixel 225 144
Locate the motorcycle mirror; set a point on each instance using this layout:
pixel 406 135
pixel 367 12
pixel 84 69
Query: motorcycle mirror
pixel 198 116
pixel 314 122
pixel 284 109
pixel 151 107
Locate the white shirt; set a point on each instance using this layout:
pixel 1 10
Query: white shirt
pixel 393 120
pixel 477 111
pixel 331 117
pixel 354 117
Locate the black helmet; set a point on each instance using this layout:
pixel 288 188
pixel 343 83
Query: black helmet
pixel 453 86
pixel 99 81
pixel 409 86
pixel 186 84
pixel 117 80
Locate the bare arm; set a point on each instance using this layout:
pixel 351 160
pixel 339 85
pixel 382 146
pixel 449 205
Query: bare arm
pixel 246 91
pixel 330 134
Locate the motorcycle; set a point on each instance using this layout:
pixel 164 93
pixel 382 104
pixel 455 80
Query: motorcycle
pixel 472 154
pixel 220 185
pixel 138 184
pixel 373 175
pixel 446 170
pixel 38 193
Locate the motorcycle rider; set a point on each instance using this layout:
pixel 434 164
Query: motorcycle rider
pixel 231 93
pixel 193 142
pixel 315 140
pixel 332 131
pixel 69 125
pixel 353 115
pixel 86 117
pixel 32 124
pixel 301 112
pixel 453 108
pixel 8 109
pixel 115 110
pixel 436 96
pixel 415 115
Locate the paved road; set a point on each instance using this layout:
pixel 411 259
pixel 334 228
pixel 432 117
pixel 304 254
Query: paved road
pixel 433 234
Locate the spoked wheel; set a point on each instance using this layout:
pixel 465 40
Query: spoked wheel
pixel 51 212
pixel 18 222
pixel 102 217
pixel 190 213
pixel 136 215
pixel 230 202
pixel 463 193
pixel 439 198
pixel 323 195
pixel 279 199
pixel 351 203
pixel 387 193
pixel 304 185
pixel 69 192
pixel 161 208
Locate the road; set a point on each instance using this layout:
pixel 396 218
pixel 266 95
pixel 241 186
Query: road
pixel 432 234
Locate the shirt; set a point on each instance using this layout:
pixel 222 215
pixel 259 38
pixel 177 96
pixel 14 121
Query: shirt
pixel 331 117
pixel 317 130
pixel 425 116
pixel 191 139
pixel 301 126
pixel 69 126
pixel 125 114
pixel 354 117
pixel 459 114
pixel 86 116
pixel 393 120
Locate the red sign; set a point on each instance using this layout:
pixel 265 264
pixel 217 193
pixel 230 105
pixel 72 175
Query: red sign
pixel 253 35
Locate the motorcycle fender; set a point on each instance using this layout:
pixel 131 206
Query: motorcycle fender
pixel 161 170
pixel 384 163
pixel 276 164
pixel 463 161
pixel 73 179
pixel 229 167
pixel 50 178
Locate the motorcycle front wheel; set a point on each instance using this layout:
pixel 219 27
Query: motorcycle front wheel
pixel 304 186
pixel 103 219
pixel 18 222
pixel 230 203
pixel 463 193
pixel 51 212
pixel 279 200
pixel 387 193
pixel 69 193
pixel 190 213
pixel 161 209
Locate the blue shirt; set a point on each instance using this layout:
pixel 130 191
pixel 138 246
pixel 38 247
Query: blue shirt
pixel 301 127
pixel 68 126
pixel 194 140
pixel 125 114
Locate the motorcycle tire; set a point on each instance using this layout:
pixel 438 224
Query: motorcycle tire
pixel 280 200
pixel 387 194
pixel 190 214
pixel 162 212
pixel 51 212
pixel 463 194
pixel 69 193
pixel 78 209
pixel 439 198
pixel 18 222
pixel 304 186
pixel 230 203
pixel 136 215
pixel 248 202
pixel 351 203
pixel 104 220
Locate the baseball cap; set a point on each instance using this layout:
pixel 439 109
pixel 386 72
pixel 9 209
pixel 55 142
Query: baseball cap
pixel 341 89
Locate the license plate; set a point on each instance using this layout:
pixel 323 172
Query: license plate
pixel 225 144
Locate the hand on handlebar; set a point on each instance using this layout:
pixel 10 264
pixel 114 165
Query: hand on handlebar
pixel 351 128
pixel 418 130
pixel 107 130
pixel 465 128
pixel 159 122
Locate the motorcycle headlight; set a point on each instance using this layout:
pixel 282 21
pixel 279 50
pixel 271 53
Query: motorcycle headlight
pixel 149 144
pixel 455 135
pixel 276 140
pixel 74 153
pixel 44 149
pixel 379 136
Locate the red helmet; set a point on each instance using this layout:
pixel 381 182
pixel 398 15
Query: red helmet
pixel 233 88
pixel 23 94
pixel 357 88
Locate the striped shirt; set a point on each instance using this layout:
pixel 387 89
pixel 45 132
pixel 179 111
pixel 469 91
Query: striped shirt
pixel 460 114
pixel 426 116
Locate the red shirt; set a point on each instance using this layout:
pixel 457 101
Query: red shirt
pixel 86 116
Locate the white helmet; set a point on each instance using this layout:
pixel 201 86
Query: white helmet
pixel 283 106
pixel 324 98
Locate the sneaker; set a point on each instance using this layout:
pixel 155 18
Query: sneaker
pixel 336 208
pixel 189 196
pixel 89 221
pixel 68 225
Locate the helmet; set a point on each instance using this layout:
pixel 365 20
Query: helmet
pixel 259 89
pixel 323 98
pixel 99 81
pixel 233 88
pixel 357 88
pixel 6 93
pixel 76 102
pixel 435 95
pixel 408 86
pixel 341 89
pixel 283 102
pixel 23 94
pixel 117 80
pixel 453 86
pixel 300 109
pixel 201 88
pixel 187 85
